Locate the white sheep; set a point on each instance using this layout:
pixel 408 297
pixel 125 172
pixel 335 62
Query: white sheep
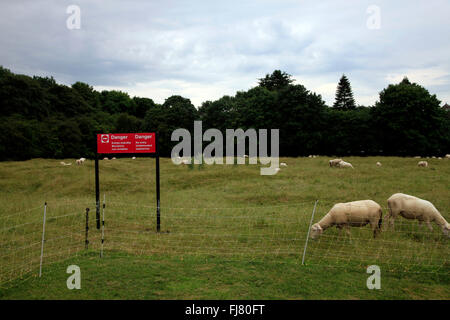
pixel 447 156
pixel 410 207
pixel 78 162
pixel 350 214
pixel 82 159
pixel 105 158
pixel 344 164
pixel 134 158
pixel 378 164
pixel 334 162
pixel 113 158
pixel 422 164
pixel 282 164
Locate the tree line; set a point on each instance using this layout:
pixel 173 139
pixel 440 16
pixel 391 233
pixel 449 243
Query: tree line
pixel 43 119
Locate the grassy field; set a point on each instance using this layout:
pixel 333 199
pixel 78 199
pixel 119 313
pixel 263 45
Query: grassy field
pixel 228 232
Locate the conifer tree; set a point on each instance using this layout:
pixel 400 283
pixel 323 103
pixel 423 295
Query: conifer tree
pixel 344 95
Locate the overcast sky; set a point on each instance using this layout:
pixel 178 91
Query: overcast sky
pixel 203 50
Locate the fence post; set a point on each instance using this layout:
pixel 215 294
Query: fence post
pixel 103 225
pixel 43 239
pixel 307 236
pixel 86 241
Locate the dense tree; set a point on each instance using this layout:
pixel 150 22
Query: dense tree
pixel 176 112
pixel 410 121
pixel 41 118
pixel 344 95
pixel 275 81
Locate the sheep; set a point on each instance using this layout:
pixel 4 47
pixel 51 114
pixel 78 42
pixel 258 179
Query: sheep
pixel 447 156
pixel 344 164
pixel 105 158
pixel 410 207
pixel 378 164
pixel 422 164
pixel 82 159
pixel 334 162
pixel 351 214
pixel 113 158
pixel 134 158
pixel 65 164
pixel 78 162
pixel 282 164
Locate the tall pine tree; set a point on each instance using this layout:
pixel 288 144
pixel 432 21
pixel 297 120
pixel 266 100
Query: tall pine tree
pixel 344 95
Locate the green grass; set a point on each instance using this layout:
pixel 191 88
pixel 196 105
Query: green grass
pixel 119 276
pixel 228 232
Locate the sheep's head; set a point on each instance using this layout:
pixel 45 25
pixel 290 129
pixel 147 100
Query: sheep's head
pixel 316 230
pixel 446 229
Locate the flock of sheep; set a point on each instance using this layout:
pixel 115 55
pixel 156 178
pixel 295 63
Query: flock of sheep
pixel 363 212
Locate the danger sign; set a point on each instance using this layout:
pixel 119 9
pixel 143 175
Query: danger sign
pixel 126 143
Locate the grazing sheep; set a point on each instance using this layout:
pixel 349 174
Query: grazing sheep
pixel 82 159
pixel 378 164
pixel 134 158
pixel 335 162
pixel 423 164
pixel 447 156
pixel 344 164
pixel 78 162
pixel 105 158
pixel 283 164
pixel 113 158
pixel 410 207
pixel 65 164
pixel 350 214
pixel 245 156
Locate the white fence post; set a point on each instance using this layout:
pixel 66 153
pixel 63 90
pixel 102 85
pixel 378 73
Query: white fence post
pixel 43 239
pixel 307 236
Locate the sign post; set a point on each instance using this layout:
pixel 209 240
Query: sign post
pixel 127 144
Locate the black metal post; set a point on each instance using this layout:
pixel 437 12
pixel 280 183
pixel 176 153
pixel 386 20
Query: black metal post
pixel 97 192
pixel 158 207
pixel 86 241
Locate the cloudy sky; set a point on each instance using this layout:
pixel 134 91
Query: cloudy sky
pixel 205 49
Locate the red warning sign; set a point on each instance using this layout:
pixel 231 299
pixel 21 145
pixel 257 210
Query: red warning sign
pixel 126 143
